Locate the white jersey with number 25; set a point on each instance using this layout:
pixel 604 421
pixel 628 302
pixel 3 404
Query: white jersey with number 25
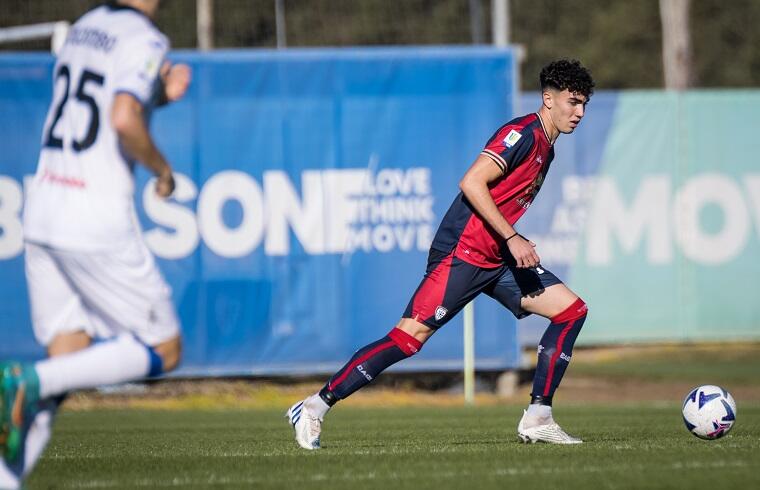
pixel 81 197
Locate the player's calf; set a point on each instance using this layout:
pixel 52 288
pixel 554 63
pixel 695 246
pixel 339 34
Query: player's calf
pixel 367 363
pixel 555 351
pixel 170 353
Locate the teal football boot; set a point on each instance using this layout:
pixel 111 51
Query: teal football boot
pixel 19 397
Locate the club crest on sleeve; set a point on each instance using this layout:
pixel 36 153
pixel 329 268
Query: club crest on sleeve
pixel 440 312
pixel 512 138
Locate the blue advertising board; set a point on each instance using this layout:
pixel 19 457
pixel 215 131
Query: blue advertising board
pixel 310 184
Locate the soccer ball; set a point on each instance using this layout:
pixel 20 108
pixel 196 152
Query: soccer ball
pixel 709 412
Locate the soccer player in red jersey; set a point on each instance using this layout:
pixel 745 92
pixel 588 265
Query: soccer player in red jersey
pixel 478 250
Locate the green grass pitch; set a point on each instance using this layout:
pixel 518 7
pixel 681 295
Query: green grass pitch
pixel 627 446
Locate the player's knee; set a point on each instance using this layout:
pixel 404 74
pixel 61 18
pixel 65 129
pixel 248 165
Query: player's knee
pixel 170 353
pixel 583 305
pixel 68 343
pixel 581 308
pixel 408 344
pixel 419 331
pixel 577 310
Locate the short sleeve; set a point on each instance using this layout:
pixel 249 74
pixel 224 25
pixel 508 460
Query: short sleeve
pixel 509 147
pixel 138 65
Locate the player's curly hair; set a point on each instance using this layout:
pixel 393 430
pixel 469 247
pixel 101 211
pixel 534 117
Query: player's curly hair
pixel 567 74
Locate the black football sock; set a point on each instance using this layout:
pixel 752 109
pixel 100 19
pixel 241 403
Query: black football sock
pixel 367 363
pixel 555 351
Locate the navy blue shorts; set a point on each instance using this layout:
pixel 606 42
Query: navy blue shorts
pixel 450 283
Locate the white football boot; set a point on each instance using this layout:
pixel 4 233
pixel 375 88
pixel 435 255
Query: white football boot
pixel 551 433
pixel 307 425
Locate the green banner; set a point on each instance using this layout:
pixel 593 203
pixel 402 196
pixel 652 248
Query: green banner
pixel 670 249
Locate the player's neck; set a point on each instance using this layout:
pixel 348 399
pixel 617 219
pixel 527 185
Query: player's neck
pixel 148 7
pixel 550 130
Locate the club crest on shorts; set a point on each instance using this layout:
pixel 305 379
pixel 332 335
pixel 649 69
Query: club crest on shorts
pixel 440 312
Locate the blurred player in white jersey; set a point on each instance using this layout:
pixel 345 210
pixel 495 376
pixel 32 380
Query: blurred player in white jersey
pixel 89 273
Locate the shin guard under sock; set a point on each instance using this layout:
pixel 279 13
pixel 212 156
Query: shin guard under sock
pixel 555 350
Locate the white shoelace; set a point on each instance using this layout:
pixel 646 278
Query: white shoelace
pixel 315 425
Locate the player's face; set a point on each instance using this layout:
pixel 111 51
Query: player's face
pixel 567 109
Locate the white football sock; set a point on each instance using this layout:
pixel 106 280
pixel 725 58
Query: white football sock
pixel 8 478
pixel 538 415
pixel 39 434
pixel 317 405
pixel 121 359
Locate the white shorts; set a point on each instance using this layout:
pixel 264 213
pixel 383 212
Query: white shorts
pixel 101 293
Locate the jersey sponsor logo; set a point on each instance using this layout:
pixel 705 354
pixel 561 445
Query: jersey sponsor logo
pixel 530 192
pixel 49 176
pixel 440 312
pixel 565 357
pixel 512 138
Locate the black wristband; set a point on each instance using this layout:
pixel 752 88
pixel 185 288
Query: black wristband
pixel 508 239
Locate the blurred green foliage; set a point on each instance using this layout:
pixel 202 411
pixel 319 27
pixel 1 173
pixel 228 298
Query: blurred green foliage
pixel 620 41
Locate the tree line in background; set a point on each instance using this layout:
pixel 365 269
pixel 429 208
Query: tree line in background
pixel 620 40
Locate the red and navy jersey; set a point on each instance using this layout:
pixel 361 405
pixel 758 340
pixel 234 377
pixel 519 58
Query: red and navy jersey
pixel 523 152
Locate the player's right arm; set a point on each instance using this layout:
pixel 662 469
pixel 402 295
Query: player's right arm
pixel 128 121
pixel 474 186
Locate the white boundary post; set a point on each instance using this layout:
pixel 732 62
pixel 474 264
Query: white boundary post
pixel 279 19
pixel 204 24
pixel 500 22
pixel 469 353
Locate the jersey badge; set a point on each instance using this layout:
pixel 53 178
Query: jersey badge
pixel 512 138
pixel 150 69
pixel 440 312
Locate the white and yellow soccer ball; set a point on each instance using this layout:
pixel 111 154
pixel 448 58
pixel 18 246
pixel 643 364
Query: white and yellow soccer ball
pixel 709 412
